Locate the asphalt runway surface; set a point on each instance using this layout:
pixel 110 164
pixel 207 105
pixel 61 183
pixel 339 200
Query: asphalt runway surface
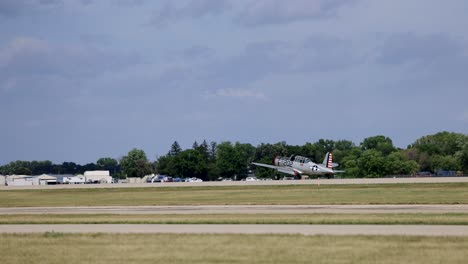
pixel 248 183
pixel 242 209
pixel 406 230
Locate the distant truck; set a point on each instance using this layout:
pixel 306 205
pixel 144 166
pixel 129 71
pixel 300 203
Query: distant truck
pixel 445 173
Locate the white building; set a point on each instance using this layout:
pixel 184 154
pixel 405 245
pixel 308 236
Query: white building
pixel 2 180
pixel 27 180
pixel 135 180
pixel 21 180
pixel 97 177
pixel 45 179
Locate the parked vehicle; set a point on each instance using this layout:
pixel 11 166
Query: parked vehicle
pixel 251 178
pixel 167 179
pixel 158 178
pixel 193 179
pixel 178 179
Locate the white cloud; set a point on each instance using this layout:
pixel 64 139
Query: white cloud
pixel 262 12
pixel 32 56
pixel 190 9
pixel 238 93
pixel 21 46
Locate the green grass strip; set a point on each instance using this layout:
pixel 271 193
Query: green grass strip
pixel 384 219
pixel 443 193
pixel 194 249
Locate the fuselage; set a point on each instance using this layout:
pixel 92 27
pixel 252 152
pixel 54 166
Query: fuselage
pixel 302 165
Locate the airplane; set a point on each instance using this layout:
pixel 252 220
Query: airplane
pixel 298 165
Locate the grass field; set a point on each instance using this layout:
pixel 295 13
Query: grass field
pixel 184 248
pixel 387 219
pixel 440 193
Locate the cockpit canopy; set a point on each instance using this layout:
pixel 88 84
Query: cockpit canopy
pixel 301 159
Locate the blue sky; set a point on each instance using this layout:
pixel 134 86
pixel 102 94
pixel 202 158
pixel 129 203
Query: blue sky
pixel 84 79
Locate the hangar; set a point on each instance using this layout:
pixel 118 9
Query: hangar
pixel 21 180
pixel 99 176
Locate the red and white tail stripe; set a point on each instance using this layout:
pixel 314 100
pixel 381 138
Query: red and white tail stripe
pixel 330 161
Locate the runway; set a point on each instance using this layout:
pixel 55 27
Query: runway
pixel 247 183
pixel 243 209
pixel 405 230
pixel 422 230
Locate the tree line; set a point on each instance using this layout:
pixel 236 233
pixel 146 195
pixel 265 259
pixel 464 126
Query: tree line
pixel 374 157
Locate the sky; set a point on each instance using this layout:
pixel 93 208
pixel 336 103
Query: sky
pixel 85 79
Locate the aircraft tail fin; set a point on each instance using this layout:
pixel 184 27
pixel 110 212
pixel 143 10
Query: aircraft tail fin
pixel 328 161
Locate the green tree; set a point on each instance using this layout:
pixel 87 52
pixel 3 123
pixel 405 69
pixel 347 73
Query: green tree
pixel 175 149
pixel 371 163
pixel 204 150
pixel 109 164
pixel 195 145
pixel 447 162
pixel 397 164
pixel 379 143
pixel 234 160
pixel 18 167
pixel 442 143
pixel 41 167
pixel 350 165
pixel 212 151
pixel 135 164
pixel 462 154
pixel 166 165
pixel 191 163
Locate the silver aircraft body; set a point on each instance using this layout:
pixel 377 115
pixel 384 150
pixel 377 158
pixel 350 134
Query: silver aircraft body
pixel 298 165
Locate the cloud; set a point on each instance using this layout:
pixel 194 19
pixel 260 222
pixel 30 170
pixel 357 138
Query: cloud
pixel 267 12
pixel 409 47
pixel 237 93
pixel 170 12
pixel 198 52
pixel 265 59
pixel 256 61
pixel 9 8
pixel 26 57
pixel 321 53
pixel 250 12
pixel 86 2
pixel 126 3
pixel 12 8
pixel 435 61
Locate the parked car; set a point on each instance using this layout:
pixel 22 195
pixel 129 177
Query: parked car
pixel 193 179
pixel 158 178
pixel 251 178
pixel 167 179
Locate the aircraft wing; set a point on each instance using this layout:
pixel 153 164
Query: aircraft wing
pixel 286 170
pixel 266 165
